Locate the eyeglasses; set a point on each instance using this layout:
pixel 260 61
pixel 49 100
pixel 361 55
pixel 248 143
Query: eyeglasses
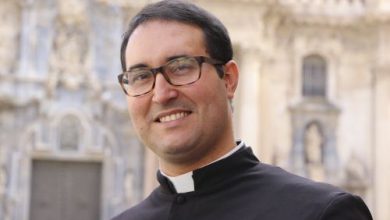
pixel 178 72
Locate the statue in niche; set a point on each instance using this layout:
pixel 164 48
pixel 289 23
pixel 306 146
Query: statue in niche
pixel 313 153
pixel 70 46
pixel 10 27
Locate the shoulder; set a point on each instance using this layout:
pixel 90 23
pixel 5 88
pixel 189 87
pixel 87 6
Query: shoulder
pixel 319 200
pixel 280 179
pixel 147 209
pixel 132 213
pixel 336 208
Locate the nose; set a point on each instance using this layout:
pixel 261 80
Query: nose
pixel 163 92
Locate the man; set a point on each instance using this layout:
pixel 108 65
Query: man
pixel 179 78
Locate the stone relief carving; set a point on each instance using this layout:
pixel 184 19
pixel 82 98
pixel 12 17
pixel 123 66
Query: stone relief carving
pixel 70 46
pixel 9 30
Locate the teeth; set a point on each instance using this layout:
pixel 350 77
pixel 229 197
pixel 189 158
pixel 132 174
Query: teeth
pixel 173 117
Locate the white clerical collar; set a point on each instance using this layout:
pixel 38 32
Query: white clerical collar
pixel 185 183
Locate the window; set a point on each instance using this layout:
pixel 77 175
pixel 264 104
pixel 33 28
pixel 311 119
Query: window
pixel 314 76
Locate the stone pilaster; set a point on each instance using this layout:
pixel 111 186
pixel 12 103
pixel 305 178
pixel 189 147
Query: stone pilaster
pixel 249 99
pixel 381 162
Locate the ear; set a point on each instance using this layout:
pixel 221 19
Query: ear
pixel 231 78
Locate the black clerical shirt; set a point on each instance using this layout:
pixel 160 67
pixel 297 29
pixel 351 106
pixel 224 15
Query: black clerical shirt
pixel 240 187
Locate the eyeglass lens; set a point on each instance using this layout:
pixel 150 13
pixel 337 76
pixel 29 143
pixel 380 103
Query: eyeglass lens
pixel 179 71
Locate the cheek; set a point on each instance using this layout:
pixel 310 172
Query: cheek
pixel 214 94
pixel 136 111
pixel 212 100
pixel 137 120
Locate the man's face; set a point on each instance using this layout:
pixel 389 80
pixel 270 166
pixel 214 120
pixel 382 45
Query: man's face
pixel 181 124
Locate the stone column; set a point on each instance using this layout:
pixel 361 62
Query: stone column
pixel 26 54
pixel 381 161
pixel 379 203
pixel 247 107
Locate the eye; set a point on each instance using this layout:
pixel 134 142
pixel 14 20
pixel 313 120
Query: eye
pixel 182 66
pixel 139 76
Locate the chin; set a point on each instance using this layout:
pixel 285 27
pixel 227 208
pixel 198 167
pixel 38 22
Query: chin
pixel 175 149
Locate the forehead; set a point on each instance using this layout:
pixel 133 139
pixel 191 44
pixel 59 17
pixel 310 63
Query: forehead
pixel 156 40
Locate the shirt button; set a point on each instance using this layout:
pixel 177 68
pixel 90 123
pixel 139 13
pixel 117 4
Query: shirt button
pixel 180 199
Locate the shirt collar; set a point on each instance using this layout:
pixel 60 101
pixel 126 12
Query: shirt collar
pixel 185 183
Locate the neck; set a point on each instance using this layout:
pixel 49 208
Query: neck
pixel 175 168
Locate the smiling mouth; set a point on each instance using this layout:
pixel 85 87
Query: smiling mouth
pixel 173 117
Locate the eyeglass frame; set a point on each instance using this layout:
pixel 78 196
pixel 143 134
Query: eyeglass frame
pixel 200 60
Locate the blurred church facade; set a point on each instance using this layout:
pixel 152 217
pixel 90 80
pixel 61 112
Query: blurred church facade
pixel 313 98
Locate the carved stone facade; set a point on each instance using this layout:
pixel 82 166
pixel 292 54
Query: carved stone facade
pixel 327 118
pixel 344 92
pixel 59 101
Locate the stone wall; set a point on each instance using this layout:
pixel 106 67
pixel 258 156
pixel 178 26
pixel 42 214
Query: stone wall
pixel 59 61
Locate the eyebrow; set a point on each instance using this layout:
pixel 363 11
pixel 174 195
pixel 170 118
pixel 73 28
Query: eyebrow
pixel 135 66
pixel 176 56
pixel 142 65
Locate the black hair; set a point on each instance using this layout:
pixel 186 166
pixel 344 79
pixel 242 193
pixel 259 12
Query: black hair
pixel 218 44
